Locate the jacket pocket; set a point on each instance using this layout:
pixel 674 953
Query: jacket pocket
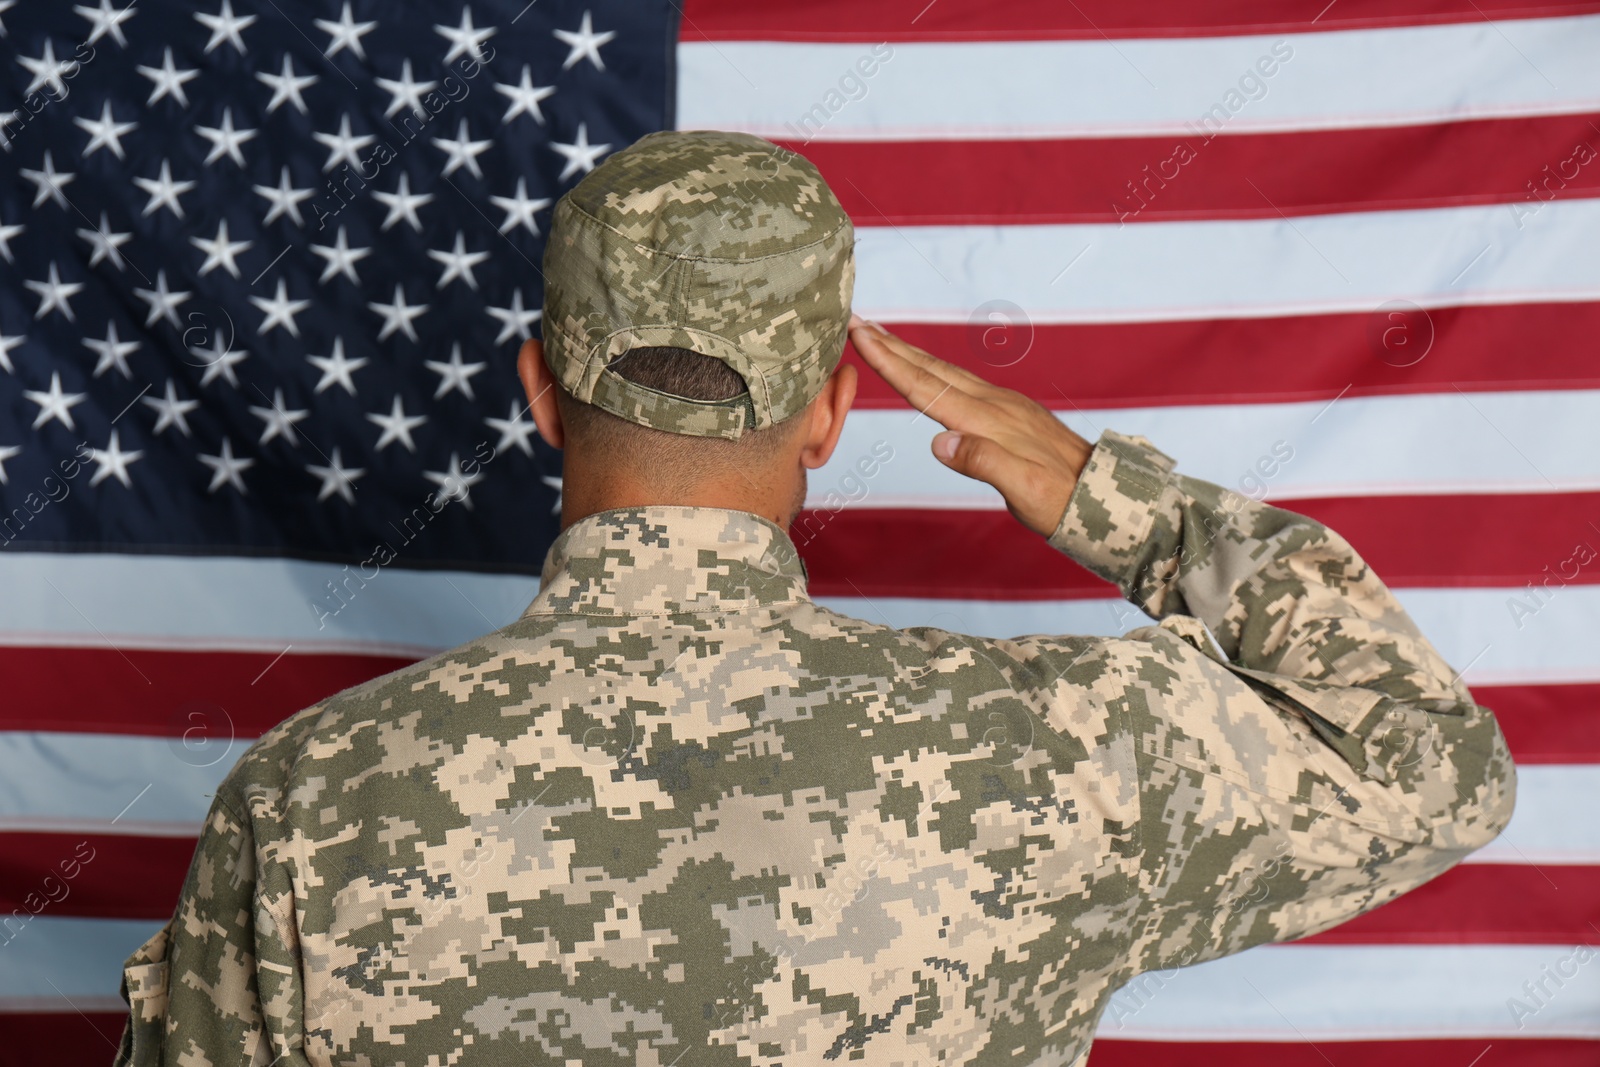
pixel 1371 731
pixel 144 988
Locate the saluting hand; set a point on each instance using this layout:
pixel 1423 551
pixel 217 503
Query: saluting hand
pixel 995 435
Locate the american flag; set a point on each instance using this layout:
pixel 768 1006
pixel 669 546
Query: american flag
pixel 1341 257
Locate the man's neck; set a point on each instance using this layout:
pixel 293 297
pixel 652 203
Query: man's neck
pixel 583 496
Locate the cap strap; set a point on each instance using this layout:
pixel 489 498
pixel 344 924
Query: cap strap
pixel 675 414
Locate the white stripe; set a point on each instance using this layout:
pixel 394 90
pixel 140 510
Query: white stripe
pixel 79 782
pixel 1315 264
pixel 1364 992
pixel 1552 800
pixel 65 964
pixel 1449 442
pixel 189 603
pixel 1475 629
pixel 1102 88
pixel 1272 993
pixel 109 783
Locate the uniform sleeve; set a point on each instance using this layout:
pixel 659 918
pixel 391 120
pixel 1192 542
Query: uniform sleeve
pixel 1302 752
pixel 194 990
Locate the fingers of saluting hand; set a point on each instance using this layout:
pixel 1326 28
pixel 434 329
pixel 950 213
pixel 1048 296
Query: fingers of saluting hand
pixel 929 362
pixel 995 435
pixel 929 384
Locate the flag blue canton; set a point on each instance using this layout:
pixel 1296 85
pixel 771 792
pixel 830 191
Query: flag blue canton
pixel 267 267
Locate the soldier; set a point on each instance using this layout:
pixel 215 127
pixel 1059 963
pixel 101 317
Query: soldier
pixel 678 812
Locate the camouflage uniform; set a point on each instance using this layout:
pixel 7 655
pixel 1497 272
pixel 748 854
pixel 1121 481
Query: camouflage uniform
pixel 680 813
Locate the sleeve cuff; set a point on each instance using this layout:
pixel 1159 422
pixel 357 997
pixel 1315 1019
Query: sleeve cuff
pixel 1113 506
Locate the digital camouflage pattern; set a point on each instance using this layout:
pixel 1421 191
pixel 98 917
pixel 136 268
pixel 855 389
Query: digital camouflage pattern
pixel 678 813
pixel 721 243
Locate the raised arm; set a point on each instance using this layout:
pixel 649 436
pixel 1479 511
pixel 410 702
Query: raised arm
pixel 1301 752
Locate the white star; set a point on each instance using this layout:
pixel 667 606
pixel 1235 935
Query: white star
pixel 163 304
pixel 346 33
pixel 455 374
pixel 226 468
pixel 554 482
pixel 402 203
pixel 454 482
pixel 463 151
pixel 113 461
pixel 398 315
pixel 49 181
pixel 519 209
pixel 585 43
pixel 113 352
pixel 514 430
pixel 6 234
pixel 397 426
pixel 164 192
pixel 219 361
pixel 405 92
pixel 286 86
pixel 6 452
pixel 54 404
pixel 465 39
pixel 225 27
pixel 514 319
pixel 167 80
pixel 105 243
pixel 342 259
pixel 284 198
pixel 458 262
pixel 6 345
pixel 278 419
pixel 524 97
pixel 342 146
pixel 580 154
pixel 55 294
pixel 336 369
pixel 170 411
pixel 5 5
pixel 225 140
pixel 104 132
pixel 106 19
pixel 280 311
pixel 220 251
pixel 47 70
pixel 336 477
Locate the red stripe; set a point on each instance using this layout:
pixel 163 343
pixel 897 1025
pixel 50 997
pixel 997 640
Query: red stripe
pixel 978 20
pixel 1471 1052
pixel 102 876
pixel 67 1039
pixel 1547 723
pixel 1482 903
pixel 1516 161
pixel 1484 541
pixel 1288 359
pixel 139 691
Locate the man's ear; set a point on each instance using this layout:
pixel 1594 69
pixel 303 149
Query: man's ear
pixel 540 385
pixel 827 414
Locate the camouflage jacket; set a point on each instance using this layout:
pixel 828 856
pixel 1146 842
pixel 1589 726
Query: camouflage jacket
pixel 679 812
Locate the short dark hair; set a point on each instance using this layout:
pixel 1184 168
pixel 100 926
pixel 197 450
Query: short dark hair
pixel 671 456
pixel 680 372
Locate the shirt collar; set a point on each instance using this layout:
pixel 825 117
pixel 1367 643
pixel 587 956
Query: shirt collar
pixel 661 560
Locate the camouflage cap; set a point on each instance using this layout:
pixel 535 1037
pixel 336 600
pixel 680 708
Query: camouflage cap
pixel 721 243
